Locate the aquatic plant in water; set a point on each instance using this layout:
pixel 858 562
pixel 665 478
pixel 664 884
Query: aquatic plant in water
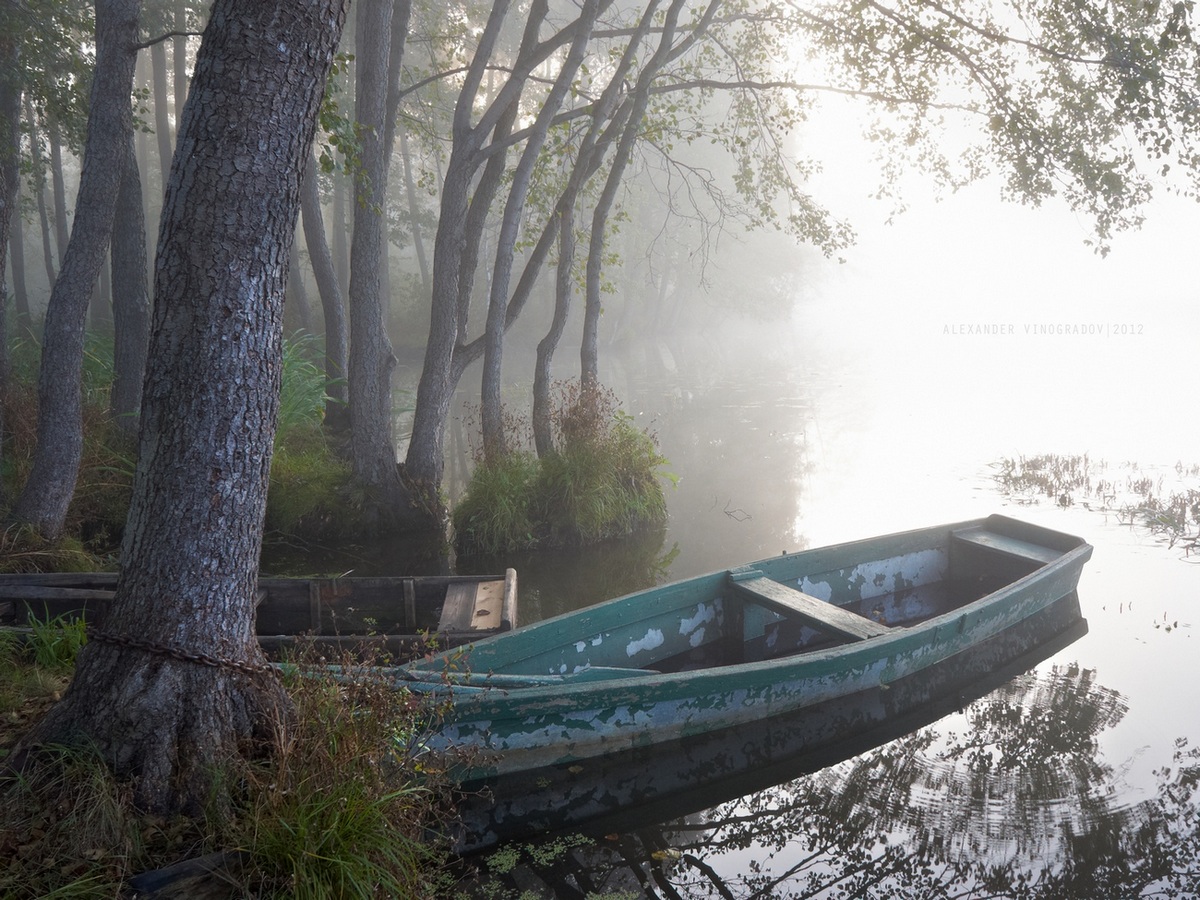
pixel 1137 496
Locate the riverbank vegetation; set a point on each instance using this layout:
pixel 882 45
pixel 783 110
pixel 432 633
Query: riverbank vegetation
pixel 311 497
pixel 1165 501
pixel 339 808
pixel 602 480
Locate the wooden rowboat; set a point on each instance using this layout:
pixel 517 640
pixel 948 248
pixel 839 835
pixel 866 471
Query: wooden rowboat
pixel 625 792
pixel 399 616
pixel 736 646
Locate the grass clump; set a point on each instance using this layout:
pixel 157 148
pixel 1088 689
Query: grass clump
pixel 601 482
pixel 497 512
pixel 35 668
pixel 334 812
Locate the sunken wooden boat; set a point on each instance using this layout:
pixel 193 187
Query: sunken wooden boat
pixel 736 646
pixel 400 617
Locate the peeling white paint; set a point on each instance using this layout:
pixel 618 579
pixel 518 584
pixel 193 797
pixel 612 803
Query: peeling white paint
pixel 697 637
pixel 822 590
pixel 580 646
pixel 654 638
pixel 704 615
pixel 883 576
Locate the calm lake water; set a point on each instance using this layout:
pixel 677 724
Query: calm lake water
pixel 882 406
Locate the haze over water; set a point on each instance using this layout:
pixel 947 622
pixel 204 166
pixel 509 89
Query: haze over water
pixel 967 332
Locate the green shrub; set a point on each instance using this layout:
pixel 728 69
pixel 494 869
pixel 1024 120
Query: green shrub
pixel 495 514
pixel 309 486
pixel 603 481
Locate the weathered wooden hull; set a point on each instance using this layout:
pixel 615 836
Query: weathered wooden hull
pixel 717 651
pixel 401 616
pixel 639 788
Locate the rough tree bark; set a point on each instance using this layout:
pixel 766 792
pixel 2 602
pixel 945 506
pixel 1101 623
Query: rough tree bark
pixel 189 562
pixel 47 493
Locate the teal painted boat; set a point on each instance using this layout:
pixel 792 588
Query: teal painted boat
pixel 736 646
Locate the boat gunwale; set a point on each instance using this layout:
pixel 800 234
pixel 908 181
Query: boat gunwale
pixel 568 687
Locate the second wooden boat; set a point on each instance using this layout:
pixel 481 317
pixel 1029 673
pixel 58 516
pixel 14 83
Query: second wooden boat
pixel 399 616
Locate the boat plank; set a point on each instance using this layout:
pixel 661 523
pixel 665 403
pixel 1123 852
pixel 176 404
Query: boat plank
pixel 1006 544
pixel 459 609
pixel 817 613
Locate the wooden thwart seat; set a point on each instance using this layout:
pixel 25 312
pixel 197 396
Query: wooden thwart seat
pixel 813 612
pixel 472 606
pixel 990 540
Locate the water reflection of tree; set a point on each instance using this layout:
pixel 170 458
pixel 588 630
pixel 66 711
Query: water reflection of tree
pixel 1016 803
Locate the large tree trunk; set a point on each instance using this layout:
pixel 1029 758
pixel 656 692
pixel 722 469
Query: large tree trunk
pixel 372 450
pixel 162 106
pixel 333 305
pixel 189 562
pixel 47 493
pixel 131 301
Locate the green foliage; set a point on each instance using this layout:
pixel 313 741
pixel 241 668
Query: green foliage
pixel 309 481
pixel 603 482
pixel 496 513
pixel 54 643
pixel 302 391
pixel 309 488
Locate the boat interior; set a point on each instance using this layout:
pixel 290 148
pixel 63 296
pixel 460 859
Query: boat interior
pixel 766 619
pixel 797 603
